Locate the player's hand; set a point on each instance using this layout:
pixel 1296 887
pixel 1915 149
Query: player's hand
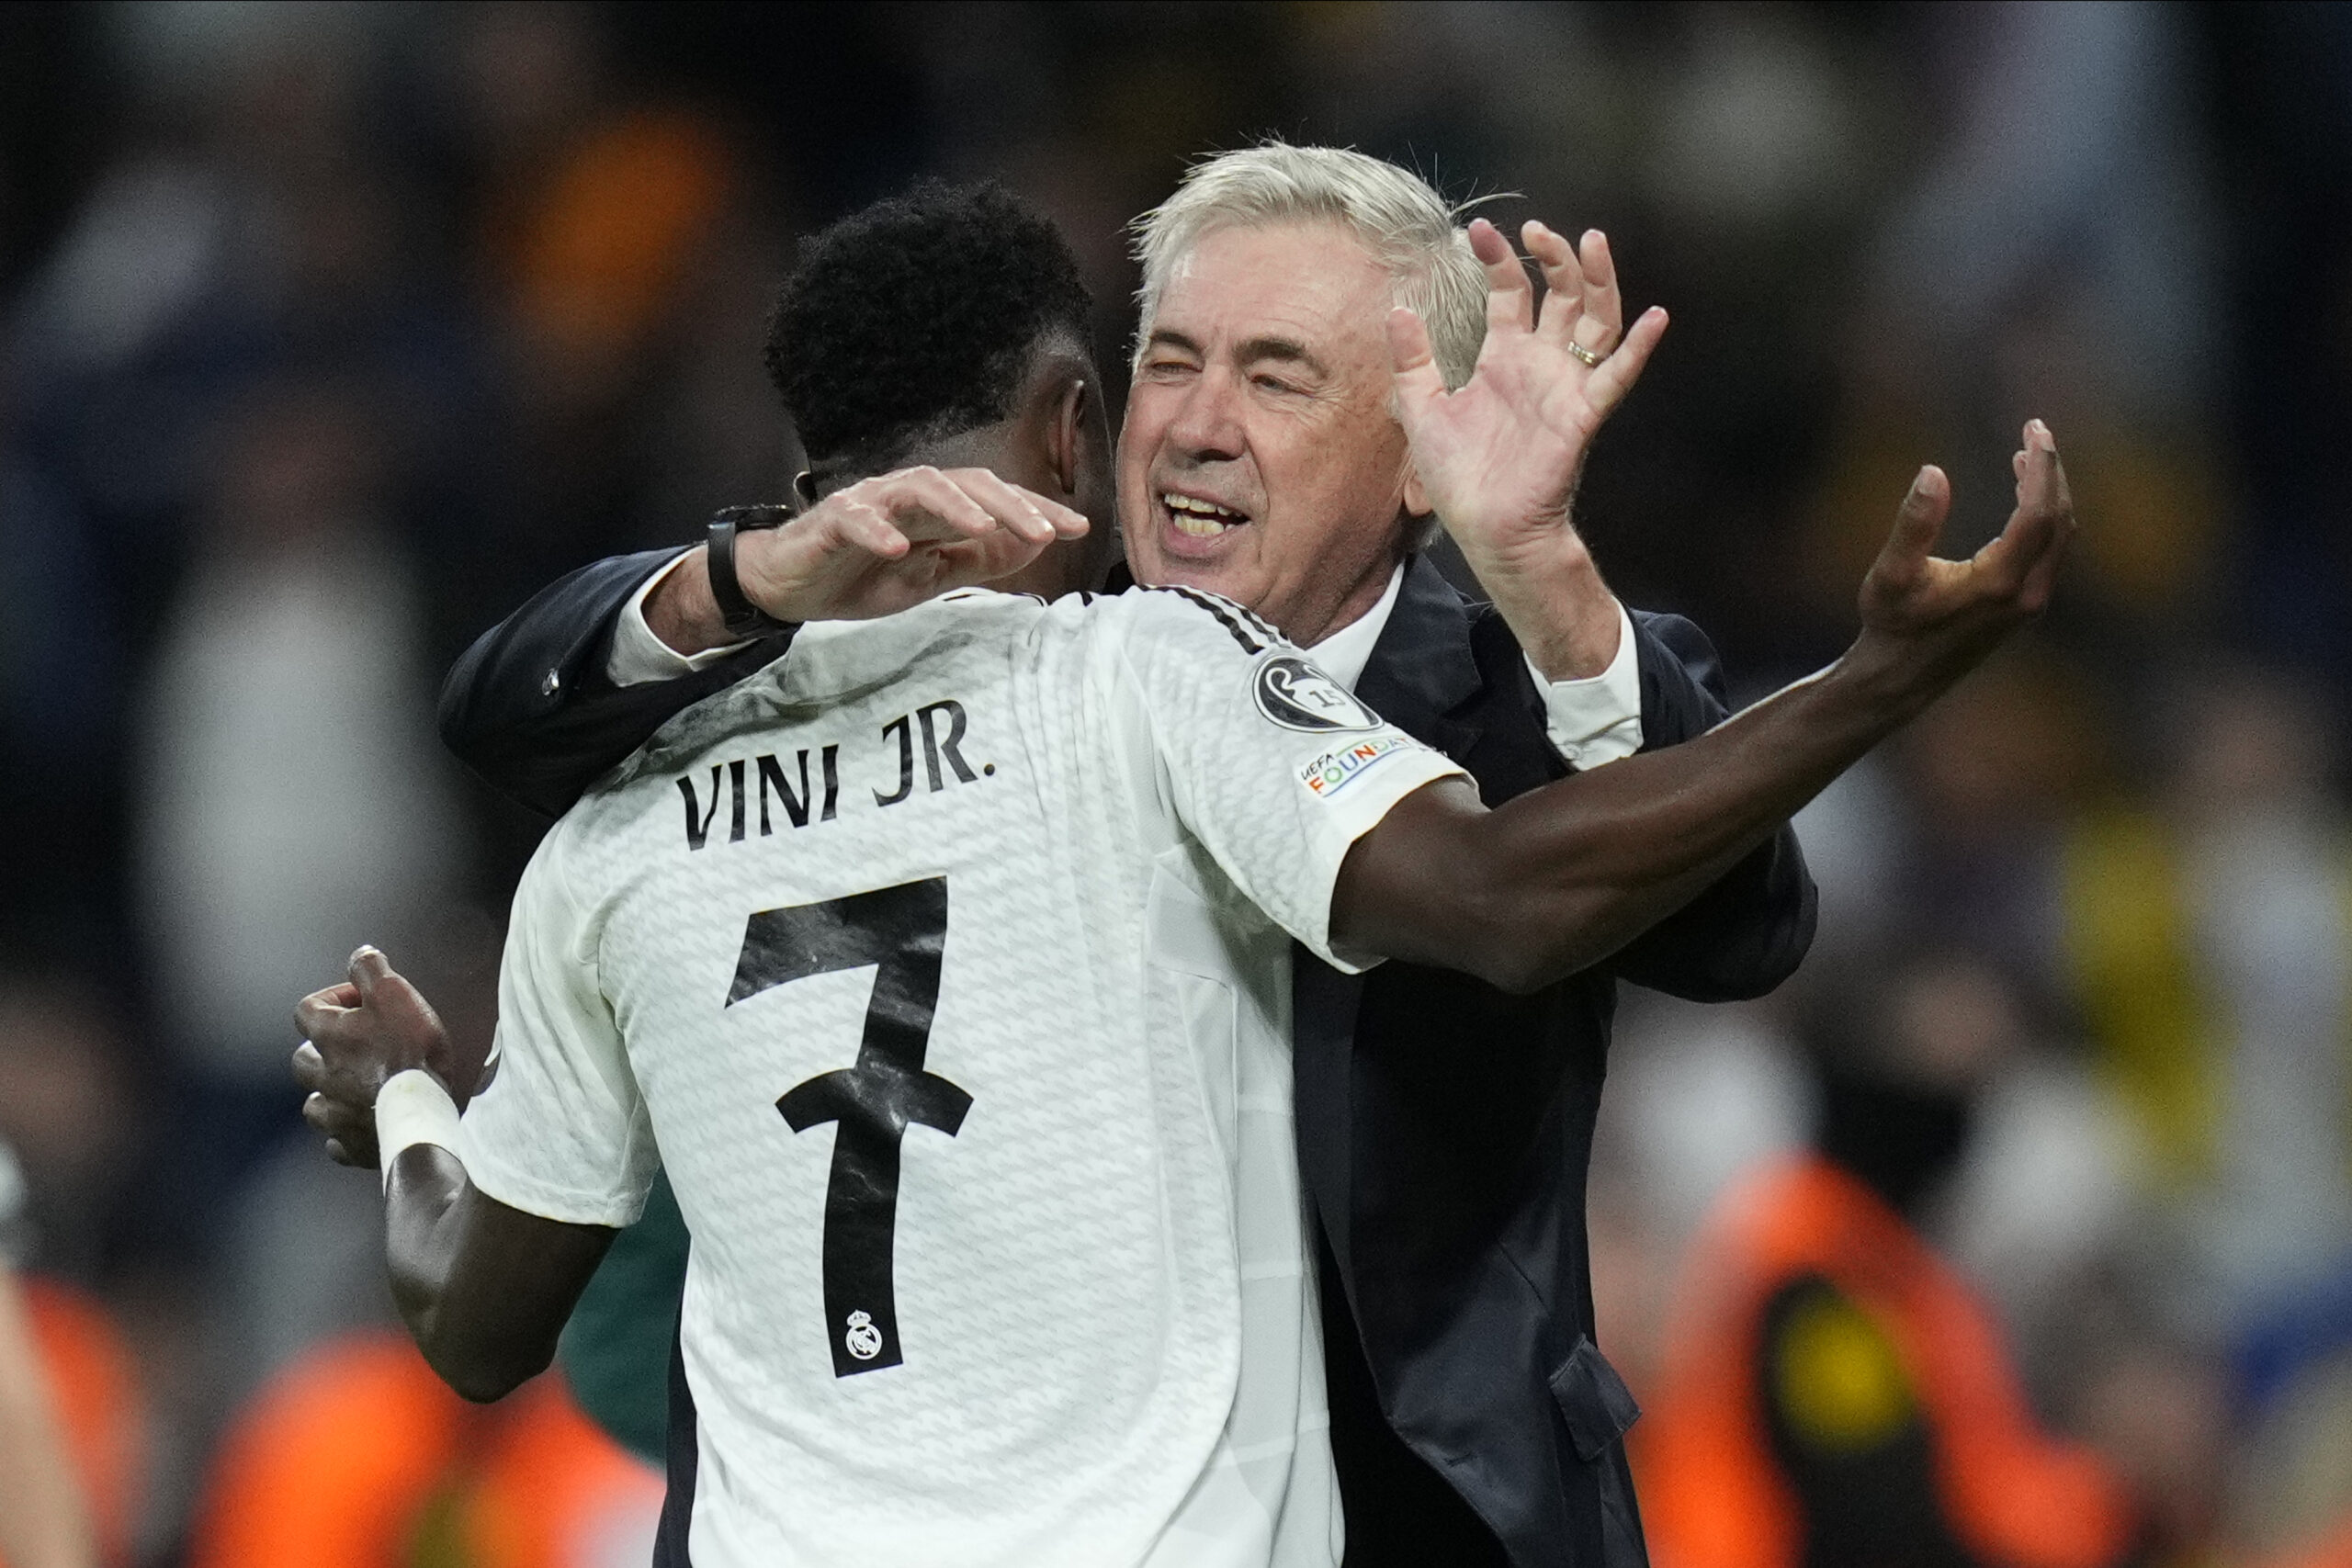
pixel 1927 621
pixel 1498 458
pixel 355 1035
pixel 895 540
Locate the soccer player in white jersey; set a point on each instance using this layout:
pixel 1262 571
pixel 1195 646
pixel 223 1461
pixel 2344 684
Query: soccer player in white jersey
pixel 922 1047
pixel 884 948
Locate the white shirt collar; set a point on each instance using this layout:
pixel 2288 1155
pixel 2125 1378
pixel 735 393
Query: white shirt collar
pixel 1344 653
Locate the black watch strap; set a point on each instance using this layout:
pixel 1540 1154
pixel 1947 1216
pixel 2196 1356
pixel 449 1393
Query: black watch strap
pixel 743 618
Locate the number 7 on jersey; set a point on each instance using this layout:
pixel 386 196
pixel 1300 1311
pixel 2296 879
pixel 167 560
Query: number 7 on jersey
pixel 903 930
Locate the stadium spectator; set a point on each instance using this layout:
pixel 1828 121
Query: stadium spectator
pixel 1833 1393
pixel 46 1520
pixel 357 1456
pixel 2209 938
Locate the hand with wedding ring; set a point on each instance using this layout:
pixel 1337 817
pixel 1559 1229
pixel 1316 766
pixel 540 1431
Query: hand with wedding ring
pixel 1498 457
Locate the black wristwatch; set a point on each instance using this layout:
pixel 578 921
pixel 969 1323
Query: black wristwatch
pixel 743 618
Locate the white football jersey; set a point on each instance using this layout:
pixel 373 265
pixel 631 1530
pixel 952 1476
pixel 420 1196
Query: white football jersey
pixel 944 963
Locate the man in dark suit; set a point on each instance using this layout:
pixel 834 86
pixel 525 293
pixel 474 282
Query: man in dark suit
pixel 1444 1124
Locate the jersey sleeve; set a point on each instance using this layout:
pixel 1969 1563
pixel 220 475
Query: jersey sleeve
pixel 1270 764
pixel 560 1130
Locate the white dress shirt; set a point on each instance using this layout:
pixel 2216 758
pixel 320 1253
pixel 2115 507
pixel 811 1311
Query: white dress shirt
pixel 1590 721
pixel 638 658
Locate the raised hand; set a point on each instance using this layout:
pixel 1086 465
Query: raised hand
pixel 1927 621
pixel 887 543
pixel 1498 457
pixel 355 1035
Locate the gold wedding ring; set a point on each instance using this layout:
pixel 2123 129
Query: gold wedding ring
pixel 1585 354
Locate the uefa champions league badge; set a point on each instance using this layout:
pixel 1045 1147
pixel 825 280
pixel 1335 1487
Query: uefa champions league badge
pixel 1293 693
pixel 862 1340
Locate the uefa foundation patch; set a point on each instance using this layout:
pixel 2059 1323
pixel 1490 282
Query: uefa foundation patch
pixel 1334 770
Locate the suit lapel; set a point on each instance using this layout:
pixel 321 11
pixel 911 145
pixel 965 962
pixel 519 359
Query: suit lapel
pixel 1423 678
pixel 1422 673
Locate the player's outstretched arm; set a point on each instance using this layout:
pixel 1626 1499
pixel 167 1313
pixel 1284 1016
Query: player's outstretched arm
pixel 1560 878
pixel 484 1288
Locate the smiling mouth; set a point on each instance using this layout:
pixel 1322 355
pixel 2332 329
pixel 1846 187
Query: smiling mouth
pixel 1198 519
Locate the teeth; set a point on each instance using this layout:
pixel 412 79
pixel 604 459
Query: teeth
pixel 1199 519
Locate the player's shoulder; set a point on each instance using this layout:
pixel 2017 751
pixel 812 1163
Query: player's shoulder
pixel 830 654
pixel 1183 614
pixel 1158 618
pixel 566 859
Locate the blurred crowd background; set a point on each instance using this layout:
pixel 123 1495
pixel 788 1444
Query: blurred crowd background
pixel 329 333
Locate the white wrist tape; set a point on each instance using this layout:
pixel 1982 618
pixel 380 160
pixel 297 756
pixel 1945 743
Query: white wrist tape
pixel 410 1109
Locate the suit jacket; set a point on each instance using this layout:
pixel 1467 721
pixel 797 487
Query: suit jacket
pixel 1444 1127
pixel 528 708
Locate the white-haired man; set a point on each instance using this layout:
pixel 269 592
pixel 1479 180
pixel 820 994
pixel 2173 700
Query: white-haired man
pixel 1265 456
pixel 1289 436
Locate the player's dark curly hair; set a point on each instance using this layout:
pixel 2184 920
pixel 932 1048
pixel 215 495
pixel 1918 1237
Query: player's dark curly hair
pixel 917 316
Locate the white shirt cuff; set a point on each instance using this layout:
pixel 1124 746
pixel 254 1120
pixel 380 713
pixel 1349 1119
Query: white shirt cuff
pixel 1598 718
pixel 638 658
